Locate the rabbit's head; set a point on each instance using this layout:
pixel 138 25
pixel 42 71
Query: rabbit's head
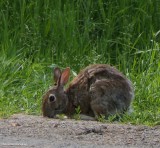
pixel 55 100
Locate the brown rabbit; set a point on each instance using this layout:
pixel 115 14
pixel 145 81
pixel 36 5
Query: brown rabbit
pixel 98 89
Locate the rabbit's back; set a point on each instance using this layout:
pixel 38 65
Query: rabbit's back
pixel 100 89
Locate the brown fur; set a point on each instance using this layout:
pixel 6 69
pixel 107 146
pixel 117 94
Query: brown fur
pixel 98 89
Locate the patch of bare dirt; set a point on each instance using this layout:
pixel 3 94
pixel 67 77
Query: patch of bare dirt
pixel 23 131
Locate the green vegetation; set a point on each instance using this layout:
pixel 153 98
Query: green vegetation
pixel 77 113
pixel 37 35
pixel 102 118
pixel 61 116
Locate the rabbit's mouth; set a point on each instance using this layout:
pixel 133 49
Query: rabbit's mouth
pixel 54 113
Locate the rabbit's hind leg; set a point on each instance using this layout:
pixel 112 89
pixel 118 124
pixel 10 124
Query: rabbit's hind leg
pixel 103 98
pixel 99 108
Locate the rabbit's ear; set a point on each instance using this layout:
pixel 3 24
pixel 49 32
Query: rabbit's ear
pixel 65 76
pixel 57 74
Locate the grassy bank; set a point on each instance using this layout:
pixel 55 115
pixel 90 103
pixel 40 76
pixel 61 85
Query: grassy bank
pixel 37 35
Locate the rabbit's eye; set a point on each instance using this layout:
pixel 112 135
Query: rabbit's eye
pixel 52 98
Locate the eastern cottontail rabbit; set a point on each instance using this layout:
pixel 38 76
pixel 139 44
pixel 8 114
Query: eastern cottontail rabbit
pixel 98 89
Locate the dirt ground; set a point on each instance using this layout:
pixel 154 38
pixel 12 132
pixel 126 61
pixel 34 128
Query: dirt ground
pixel 23 131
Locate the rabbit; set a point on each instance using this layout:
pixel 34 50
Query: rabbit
pixel 99 89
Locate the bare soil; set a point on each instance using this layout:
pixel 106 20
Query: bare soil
pixel 23 131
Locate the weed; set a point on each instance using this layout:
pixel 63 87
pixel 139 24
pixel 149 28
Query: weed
pixel 101 118
pixel 77 113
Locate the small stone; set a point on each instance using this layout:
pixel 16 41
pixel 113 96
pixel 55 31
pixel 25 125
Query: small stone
pixel 14 124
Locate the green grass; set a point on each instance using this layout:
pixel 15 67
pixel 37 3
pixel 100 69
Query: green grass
pixel 37 35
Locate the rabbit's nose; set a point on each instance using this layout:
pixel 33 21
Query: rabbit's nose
pixel 52 98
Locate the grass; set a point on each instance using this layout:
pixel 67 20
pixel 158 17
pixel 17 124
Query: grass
pixel 37 35
pixel 77 114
